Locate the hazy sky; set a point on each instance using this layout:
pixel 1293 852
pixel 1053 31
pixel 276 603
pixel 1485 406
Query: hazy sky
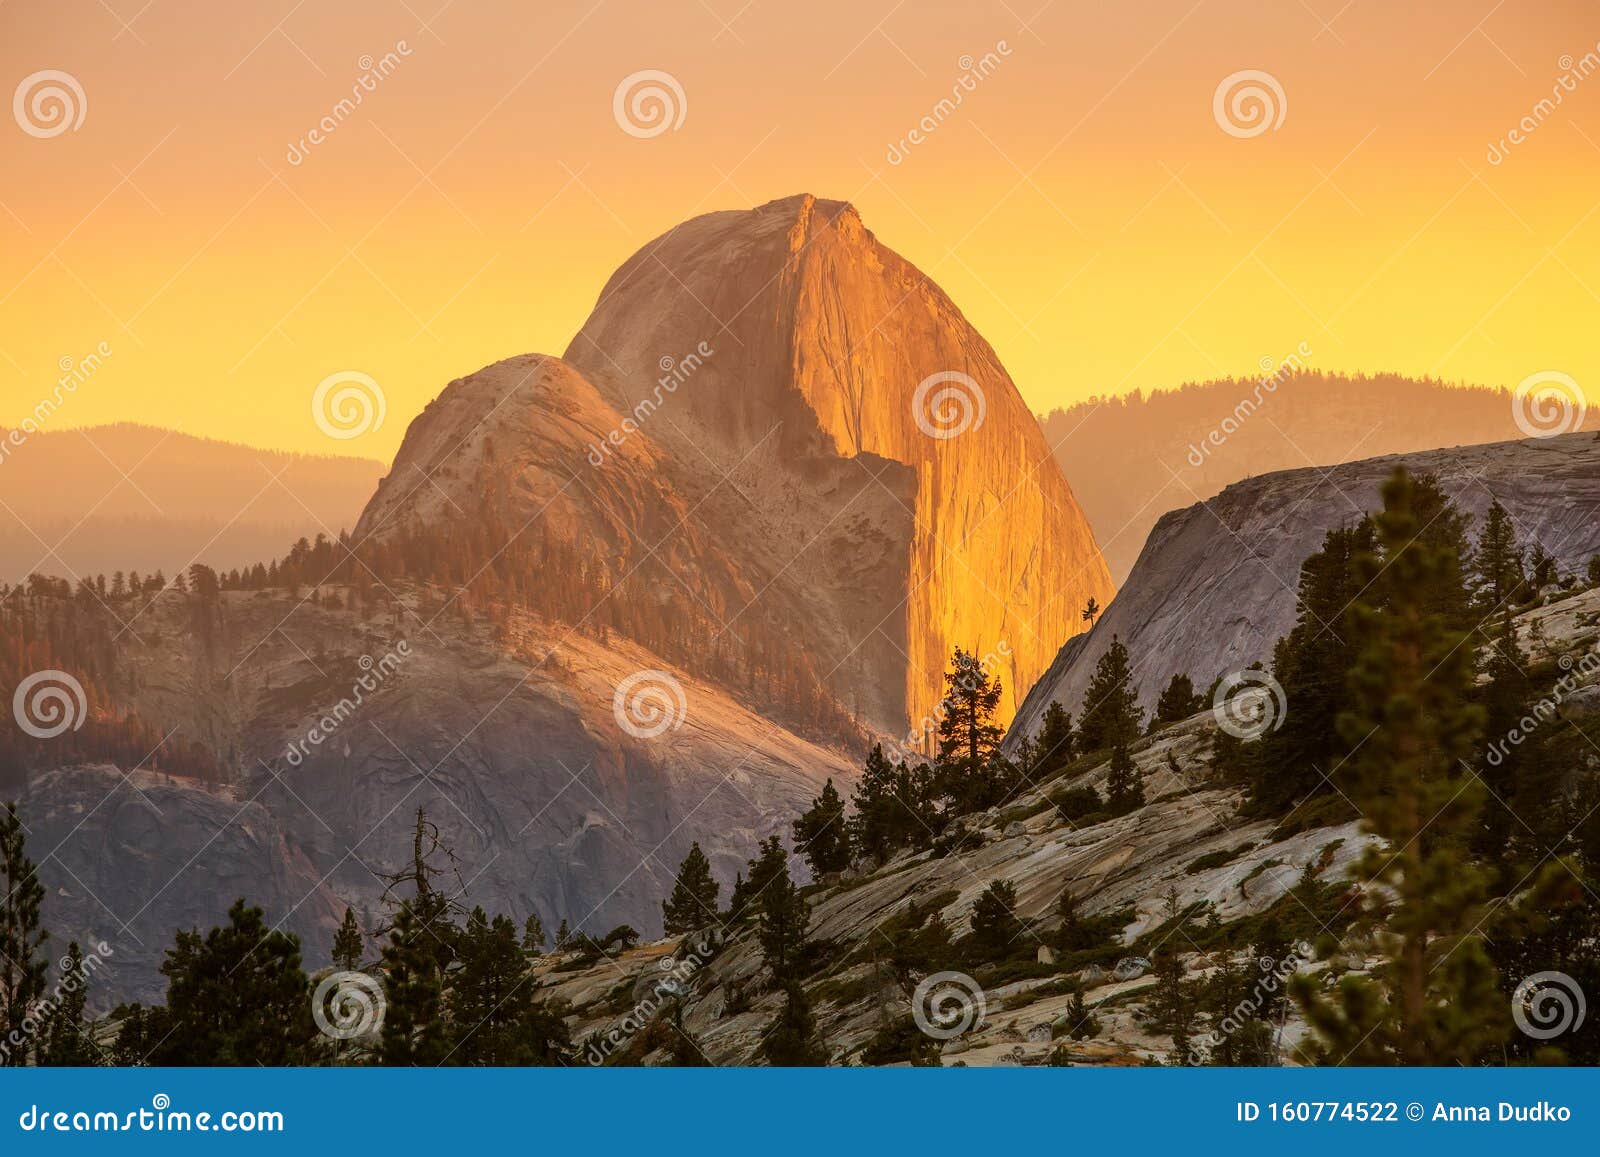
pixel 1082 204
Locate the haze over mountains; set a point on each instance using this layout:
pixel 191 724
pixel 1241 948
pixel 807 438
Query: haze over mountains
pixel 108 498
pixel 1131 459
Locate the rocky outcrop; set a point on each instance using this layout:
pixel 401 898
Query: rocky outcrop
pixel 1214 588
pixel 127 858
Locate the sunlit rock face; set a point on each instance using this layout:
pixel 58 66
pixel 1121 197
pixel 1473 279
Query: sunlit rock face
pixel 825 347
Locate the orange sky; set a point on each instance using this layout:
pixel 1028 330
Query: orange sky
pixel 1082 205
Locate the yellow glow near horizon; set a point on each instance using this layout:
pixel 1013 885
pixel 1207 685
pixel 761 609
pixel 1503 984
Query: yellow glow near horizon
pixel 1081 204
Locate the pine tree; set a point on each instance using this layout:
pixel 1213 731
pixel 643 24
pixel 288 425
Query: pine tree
pixel 236 996
pixel 563 936
pixel 1083 1023
pixel 493 1008
pixel 533 935
pixel 995 926
pixel 1594 571
pixel 347 943
pixel 894 808
pixel 1054 742
pixel 791 1040
pixel 22 938
pixel 1178 701
pixel 693 903
pixel 1091 611
pixel 1312 664
pixel 1075 934
pixel 969 736
pixel 1542 566
pixel 1111 705
pixel 1412 723
pixel 1497 569
pixel 783 919
pixel 413 1027
pixel 1124 782
pixel 69 1039
pixel 820 834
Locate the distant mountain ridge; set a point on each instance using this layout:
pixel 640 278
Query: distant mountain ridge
pixel 98 499
pixel 1133 458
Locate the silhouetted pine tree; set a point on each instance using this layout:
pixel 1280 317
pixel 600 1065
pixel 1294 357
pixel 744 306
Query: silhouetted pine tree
pixel 1434 1000
pixel 693 903
pixel 820 834
pixel 347 943
pixel 1111 711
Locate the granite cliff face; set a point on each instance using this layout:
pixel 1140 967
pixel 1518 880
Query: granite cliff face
pixel 1214 588
pixel 830 353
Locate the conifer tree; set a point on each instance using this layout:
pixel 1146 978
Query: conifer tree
pixel 1124 782
pixel 783 918
pixel 236 996
pixel 1084 1023
pixel 969 736
pixel 1075 934
pixel 1110 705
pixel 22 938
pixel 1055 740
pixel 1312 664
pixel 1178 701
pixel 1497 568
pixel 792 1039
pixel 693 903
pixel 1434 999
pixel 347 943
pixel 1594 571
pixel 995 926
pixel 494 1011
pixel 820 834
pixel 563 936
pixel 413 1030
pixel 533 935
pixel 69 1040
